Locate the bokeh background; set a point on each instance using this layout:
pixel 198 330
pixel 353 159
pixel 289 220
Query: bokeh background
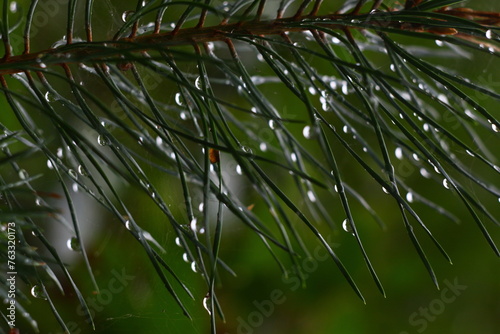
pixel 260 299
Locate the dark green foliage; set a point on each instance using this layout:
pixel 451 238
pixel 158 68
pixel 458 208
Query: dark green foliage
pixel 160 106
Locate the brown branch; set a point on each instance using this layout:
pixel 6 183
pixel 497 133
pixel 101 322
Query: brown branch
pixel 81 52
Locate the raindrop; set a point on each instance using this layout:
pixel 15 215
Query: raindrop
pixel 194 267
pixel 272 124
pixel 311 196
pixel 74 187
pixel 82 171
pixel 312 90
pixel 335 40
pixel 60 152
pixel 23 174
pixel 128 224
pixel 206 305
pixel 197 83
pixel 497 168
pixel 263 147
pixel 345 128
pixel 306 132
pixel 415 157
pixel 193 226
pixel 426 127
pixel 159 141
pixel 346 225
pixel 247 149
pixel 439 42
pixel 293 156
pixel 393 68
pixel 385 190
pixel 101 140
pixel 49 97
pixel 201 207
pixel 178 241
pixel 409 197
pixel 38 201
pixel 74 244
pixel 72 173
pixel 185 257
pixel 398 153
pixel 446 184
pixel 489 34
pixel 178 99
pixel 470 153
pixel 184 115
pixel 443 98
pixel 37 292
pixel 238 170
pixel 127 14
pixel 253 110
pixel 425 173
pixel 13 7
pixel 345 89
pixel 494 127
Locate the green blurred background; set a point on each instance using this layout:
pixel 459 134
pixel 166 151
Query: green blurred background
pixel 260 300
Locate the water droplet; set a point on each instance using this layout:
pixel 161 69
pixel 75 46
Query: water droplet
pixel 128 224
pixel 206 304
pixel 489 34
pixel 127 14
pixel 426 127
pixel 263 147
pixel 446 183
pixel 72 173
pixel 49 97
pixel 185 257
pixel 23 174
pixel 13 7
pixel 74 187
pixel 415 157
pixel 238 170
pixel 306 132
pixel 272 124
pixel 409 197
pixel 74 244
pixel 82 171
pixel 194 267
pixel 470 153
pixel 443 98
pixel 494 127
pixel 425 173
pixel 497 168
pixel 346 225
pixel 247 149
pixel 398 153
pixel 178 99
pixel 385 190
pixel 37 292
pixel 201 207
pixel 101 140
pixel 38 201
pixel 293 156
pixel 345 89
pixel 197 83
pixel 311 196
pixel 439 42
pixel 312 90
pixel 345 128
pixel 193 226
pixel 60 152
pixel 178 241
